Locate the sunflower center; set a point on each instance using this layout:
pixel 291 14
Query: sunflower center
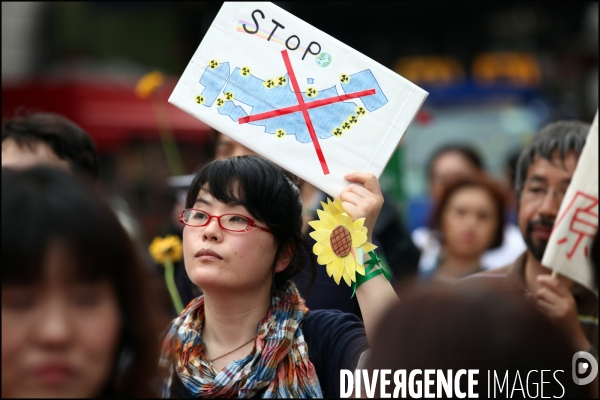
pixel 341 241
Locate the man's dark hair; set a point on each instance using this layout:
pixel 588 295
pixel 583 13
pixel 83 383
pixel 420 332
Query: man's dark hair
pixel 67 140
pixel 466 151
pixel 560 136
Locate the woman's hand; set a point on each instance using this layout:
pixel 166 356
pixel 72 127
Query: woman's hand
pixel 363 201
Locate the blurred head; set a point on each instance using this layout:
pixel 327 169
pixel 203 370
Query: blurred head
pixel 49 139
pixel 226 147
pixel 446 329
pixel 470 217
pixel 253 187
pixel 74 322
pixel 449 164
pixel 544 171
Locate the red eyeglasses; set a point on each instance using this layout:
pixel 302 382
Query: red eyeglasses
pixel 228 222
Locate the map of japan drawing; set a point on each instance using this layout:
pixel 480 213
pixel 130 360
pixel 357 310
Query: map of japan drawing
pixel 278 105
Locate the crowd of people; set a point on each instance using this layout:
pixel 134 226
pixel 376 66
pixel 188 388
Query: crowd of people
pixel 84 313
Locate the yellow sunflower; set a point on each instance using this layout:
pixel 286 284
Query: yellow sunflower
pixel 166 249
pixel 340 242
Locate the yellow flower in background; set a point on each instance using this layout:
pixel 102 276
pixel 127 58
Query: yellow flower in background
pixel 148 84
pixel 166 249
pixel 338 242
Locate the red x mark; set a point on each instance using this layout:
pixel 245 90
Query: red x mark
pixel 304 107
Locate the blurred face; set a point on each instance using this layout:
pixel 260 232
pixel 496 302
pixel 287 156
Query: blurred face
pixel 59 338
pixel 447 168
pixel 469 222
pixel 543 191
pixel 221 259
pixel 227 147
pixel 21 157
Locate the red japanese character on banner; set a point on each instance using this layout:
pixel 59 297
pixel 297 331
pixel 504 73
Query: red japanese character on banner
pixel 583 211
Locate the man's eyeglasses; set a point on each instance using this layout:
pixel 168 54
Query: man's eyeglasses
pixel 228 222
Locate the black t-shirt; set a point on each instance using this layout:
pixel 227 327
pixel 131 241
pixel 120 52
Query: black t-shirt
pixel 335 341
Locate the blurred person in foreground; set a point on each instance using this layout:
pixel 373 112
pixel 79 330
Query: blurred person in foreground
pixel 544 171
pixel 51 139
pixel 445 330
pixel 447 165
pixel 470 219
pixel 76 314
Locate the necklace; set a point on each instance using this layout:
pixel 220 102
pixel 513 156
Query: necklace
pixel 229 352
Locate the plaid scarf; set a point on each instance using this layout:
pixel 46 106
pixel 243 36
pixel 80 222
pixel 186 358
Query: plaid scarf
pixel 279 361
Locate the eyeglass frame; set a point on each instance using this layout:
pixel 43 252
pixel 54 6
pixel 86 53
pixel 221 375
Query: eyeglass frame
pixel 251 222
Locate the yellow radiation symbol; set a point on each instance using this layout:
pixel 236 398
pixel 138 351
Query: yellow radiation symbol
pixel 280 133
pixel 269 83
pixel 353 119
pixel 213 64
pixel 346 125
pixel 245 71
pixel 220 101
pixel 199 99
pixel 360 111
pixel 229 96
pixel 337 132
pixel 281 81
pixel 311 92
pixel 344 78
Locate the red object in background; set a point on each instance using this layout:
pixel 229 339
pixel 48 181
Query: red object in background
pixel 423 117
pixel 109 111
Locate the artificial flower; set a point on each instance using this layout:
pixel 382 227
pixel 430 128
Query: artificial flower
pixel 167 248
pixel 166 251
pixel 340 242
pixel 148 84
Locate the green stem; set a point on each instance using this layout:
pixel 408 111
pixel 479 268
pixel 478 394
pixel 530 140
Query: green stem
pixel 170 280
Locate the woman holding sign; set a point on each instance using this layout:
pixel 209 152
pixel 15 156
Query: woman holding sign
pixel 251 334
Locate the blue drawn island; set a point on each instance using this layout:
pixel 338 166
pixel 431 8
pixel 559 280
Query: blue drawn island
pixel 223 90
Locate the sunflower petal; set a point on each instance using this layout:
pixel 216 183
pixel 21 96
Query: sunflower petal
pixel 317 225
pixel 350 267
pixel 347 278
pixel 330 268
pixel 326 256
pixel 318 248
pixel 367 247
pixel 338 269
pixel 360 269
pixel 347 222
pixel 325 217
pixel 320 235
pixel 358 224
pixel 358 239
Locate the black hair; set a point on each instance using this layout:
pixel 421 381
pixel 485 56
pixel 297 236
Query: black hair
pixel 42 206
pixel 560 136
pixel 67 140
pixel 469 153
pixel 269 194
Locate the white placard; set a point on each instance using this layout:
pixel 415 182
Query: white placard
pixel 569 247
pixel 296 95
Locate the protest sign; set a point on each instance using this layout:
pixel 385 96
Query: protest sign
pixel 296 95
pixel 568 251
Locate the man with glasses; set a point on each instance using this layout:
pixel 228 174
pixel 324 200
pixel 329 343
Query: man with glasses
pixel 544 171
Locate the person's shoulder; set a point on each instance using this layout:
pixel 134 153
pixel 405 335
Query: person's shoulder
pixel 489 279
pixel 328 317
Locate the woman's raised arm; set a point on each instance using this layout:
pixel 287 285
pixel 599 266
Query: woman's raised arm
pixel 376 295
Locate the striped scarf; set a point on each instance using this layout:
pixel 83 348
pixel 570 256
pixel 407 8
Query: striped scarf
pixel 279 361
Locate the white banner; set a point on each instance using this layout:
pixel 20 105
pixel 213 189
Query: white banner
pixel 296 95
pixel 568 251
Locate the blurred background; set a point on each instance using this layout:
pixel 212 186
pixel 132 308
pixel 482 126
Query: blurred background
pixel 496 72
